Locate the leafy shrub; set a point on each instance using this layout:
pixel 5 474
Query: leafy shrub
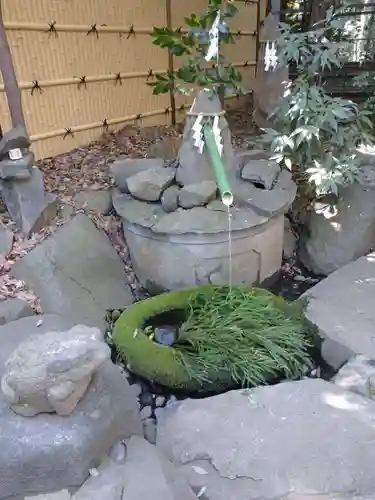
pixel 191 44
pixel 317 135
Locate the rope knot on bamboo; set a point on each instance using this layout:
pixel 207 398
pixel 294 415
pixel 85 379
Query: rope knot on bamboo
pixel 52 29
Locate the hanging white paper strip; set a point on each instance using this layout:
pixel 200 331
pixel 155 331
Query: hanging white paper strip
pixel 213 49
pixel 270 56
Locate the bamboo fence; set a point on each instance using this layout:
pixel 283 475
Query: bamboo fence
pixel 83 65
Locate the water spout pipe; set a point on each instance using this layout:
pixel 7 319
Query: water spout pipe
pixel 217 165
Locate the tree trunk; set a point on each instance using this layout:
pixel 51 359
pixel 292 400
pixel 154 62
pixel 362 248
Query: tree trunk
pixel 12 90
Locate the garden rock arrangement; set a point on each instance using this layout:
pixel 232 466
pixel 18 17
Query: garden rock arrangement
pixel 286 441
pixel 342 308
pixel 341 234
pixel 76 273
pixel 59 450
pixel 172 214
pixel 22 184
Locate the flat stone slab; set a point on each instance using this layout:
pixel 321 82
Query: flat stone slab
pixel 135 211
pixel 268 202
pixel 292 440
pixel 13 309
pixel 49 452
pixel 76 273
pixel 342 306
pixel 202 220
pixel 98 201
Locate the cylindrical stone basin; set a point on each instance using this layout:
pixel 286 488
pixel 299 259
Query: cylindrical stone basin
pixel 165 256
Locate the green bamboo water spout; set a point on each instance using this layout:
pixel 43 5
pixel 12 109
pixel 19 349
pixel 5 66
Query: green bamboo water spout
pixel 217 164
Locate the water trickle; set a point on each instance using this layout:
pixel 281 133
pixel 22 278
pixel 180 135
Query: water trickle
pixel 230 246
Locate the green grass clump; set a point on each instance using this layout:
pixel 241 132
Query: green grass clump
pixel 252 334
pixel 244 336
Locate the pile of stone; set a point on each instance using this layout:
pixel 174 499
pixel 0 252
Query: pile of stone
pixel 70 423
pixel 22 184
pixel 175 224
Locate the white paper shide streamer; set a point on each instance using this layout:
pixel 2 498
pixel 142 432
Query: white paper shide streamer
pixel 213 52
pixel 270 56
pixel 198 134
pixel 213 49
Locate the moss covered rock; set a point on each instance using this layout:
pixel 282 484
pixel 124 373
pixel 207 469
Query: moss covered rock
pixel 162 364
pixel 155 362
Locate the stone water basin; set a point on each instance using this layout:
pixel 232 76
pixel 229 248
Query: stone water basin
pixel 187 247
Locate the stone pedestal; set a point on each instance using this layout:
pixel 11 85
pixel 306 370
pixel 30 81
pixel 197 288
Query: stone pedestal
pixel 269 85
pixel 27 203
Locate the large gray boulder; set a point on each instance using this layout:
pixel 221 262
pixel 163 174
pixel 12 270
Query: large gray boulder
pixel 335 239
pixel 285 441
pixel 342 308
pixel 59 451
pixel 76 273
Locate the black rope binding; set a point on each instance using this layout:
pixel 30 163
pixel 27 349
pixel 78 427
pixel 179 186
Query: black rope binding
pixel 138 119
pixel 93 30
pixel 68 131
pixel 150 74
pixel 105 125
pixel 37 87
pixel 82 81
pixel 118 79
pixel 52 29
pixel 131 32
pixel 246 64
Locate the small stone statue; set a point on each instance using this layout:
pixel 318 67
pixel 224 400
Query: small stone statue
pixel 15 158
pixel 50 372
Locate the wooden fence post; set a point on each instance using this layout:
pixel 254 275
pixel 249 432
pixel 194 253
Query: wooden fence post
pixel 12 90
pixel 168 8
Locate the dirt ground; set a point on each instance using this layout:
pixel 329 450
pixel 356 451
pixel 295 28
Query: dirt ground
pixel 86 168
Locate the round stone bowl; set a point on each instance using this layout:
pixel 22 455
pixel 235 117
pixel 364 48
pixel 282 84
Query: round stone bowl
pixel 156 362
pixel 191 247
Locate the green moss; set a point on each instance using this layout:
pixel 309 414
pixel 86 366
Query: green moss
pixel 167 365
pixel 145 357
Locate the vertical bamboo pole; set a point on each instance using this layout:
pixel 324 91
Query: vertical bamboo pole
pixel 12 90
pixel 257 43
pixel 168 8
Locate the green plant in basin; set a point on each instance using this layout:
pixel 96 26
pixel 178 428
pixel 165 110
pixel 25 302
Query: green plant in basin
pixel 243 336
